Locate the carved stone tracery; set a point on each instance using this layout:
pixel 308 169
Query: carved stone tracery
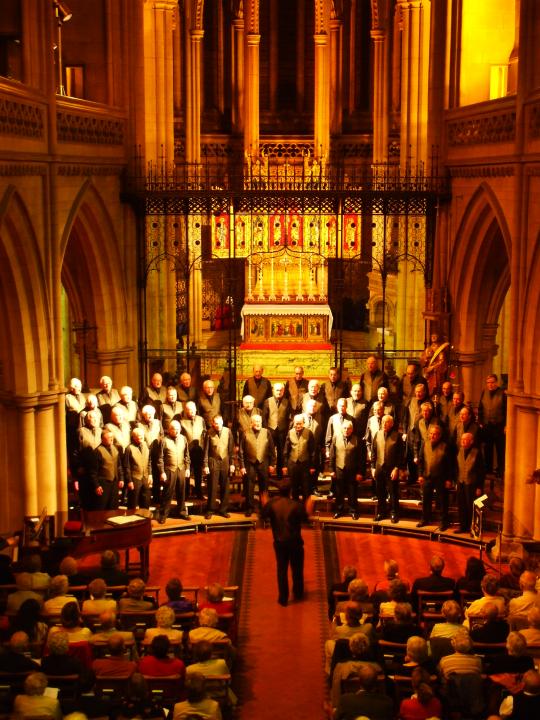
pixel 18 118
pixel 73 127
pixel 482 130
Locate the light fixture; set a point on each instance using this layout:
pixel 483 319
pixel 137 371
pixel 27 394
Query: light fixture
pixel 62 11
pixel 63 14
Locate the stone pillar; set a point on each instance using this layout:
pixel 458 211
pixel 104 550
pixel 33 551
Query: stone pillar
pixel 26 406
pixel 113 363
pixel 238 76
pixel 321 125
pixel 45 433
pixel 521 514
pixel 251 107
pixel 193 95
pixel 336 77
pixel 380 95
pixel 471 366
pixel 159 21
pixel 415 66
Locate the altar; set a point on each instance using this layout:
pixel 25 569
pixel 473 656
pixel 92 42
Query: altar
pixel 286 326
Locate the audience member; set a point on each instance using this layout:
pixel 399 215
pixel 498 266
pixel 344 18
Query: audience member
pixel 207 630
pixel 359 646
pixel 493 629
pixel 368 701
pixel 526 703
pixel 34 703
pixel 510 580
pixel 215 598
pixel 519 606
pixel 107 621
pixel 397 593
pixel 471 581
pixel 423 704
pixel 515 661
pixel 175 599
pixel 28 620
pixel 204 663
pixel 14 658
pixel 115 664
pixel 23 592
pixel 71 624
pixel 490 586
pixel 40 580
pixel 135 600
pixel 532 633
pixel 462 660
pixel 402 627
pixel 137 703
pixel 70 568
pixel 164 620
pixel 348 574
pixel 109 570
pixel 98 601
pixel 198 704
pixel 158 663
pixel 434 582
pixel 58 595
pixel 452 614
pixel 416 655
pixel 59 661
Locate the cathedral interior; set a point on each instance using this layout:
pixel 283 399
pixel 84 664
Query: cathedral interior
pixel 202 184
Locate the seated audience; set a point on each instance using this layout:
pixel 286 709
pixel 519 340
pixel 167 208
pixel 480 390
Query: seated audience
pixel 175 599
pixel 519 606
pixel 391 572
pixel 516 660
pixel 451 611
pixel 198 704
pixel 58 595
pixel 207 630
pixel 493 629
pixel 109 570
pixel 510 580
pixel 28 620
pixel 490 586
pixel 361 655
pixel 359 594
pixel 423 704
pixel 349 573
pixel 416 655
pixel 14 657
pixel 137 703
pixel 60 662
pixel 98 601
pixel 135 601
pixel 402 627
pixel 397 593
pixel 71 624
pixel 164 620
pixel 40 580
pixel 532 633
pixel 34 703
pixel 435 582
pixel 70 568
pixel 474 572
pixel 158 663
pixel 352 617
pixel 107 621
pixel 115 664
pixel 23 592
pixel 204 663
pixel 462 660
pixel 369 701
pixel 525 705
pixel 215 598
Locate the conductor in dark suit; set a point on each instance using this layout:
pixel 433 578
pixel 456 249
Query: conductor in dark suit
pixel 387 458
pixel 345 465
pixel 257 459
pixel 286 517
pixel 300 458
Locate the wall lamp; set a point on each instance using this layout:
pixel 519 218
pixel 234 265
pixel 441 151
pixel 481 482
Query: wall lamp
pixel 62 11
pixel 63 14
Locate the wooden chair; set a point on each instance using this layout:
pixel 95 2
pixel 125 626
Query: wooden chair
pixel 393 653
pixel 191 593
pixel 429 606
pixel 115 591
pixel 217 687
pixel 111 687
pixel 185 621
pixel 80 592
pixel 167 689
pixel 137 622
pixel 220 649
pixel 466 598
pixel 68 685
pixel 153 590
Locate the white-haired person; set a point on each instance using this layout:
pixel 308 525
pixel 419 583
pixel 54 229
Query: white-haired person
pixel 33 703
pixel 165 617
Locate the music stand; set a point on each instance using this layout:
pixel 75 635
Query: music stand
pixel 478 519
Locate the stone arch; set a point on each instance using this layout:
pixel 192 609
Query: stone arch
pixel 479 280
pixel 92 271
pixel 23 300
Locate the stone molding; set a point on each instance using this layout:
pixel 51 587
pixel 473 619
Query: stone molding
pixel 89 129
pixel 482 130
pixel 473 171
pixel 21 119
pixel 534 121
pixel 71 170
pixel 22 170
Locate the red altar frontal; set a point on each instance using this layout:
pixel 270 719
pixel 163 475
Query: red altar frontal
pixel 286 326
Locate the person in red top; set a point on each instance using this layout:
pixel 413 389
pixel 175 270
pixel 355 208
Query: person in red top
pixel 215 598
pixel 159 664
pixel 116 665
pixel 423 704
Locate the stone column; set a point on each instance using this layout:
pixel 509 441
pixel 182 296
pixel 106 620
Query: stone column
pixel 193 95
pixel 45 433
pixel 380 95
pixel 251 107
pixel 113 363
pixel 521 514
pixel 471 366
pixel 159 21
pixel 336 77
pixel 321 125
pixel 238 76
pixel 26 406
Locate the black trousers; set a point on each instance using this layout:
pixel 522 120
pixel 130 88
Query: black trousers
pixel 140 495
pixel 174 487
pixel 431 485
pixel 218 485
pixel 385 486
pixel 289 552
pixel 109 499
pixel 346 486
pixel 300 480
pixel 466 495
pixel 494 439
pixel 255 473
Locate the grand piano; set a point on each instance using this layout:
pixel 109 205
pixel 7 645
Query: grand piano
pixel 100 534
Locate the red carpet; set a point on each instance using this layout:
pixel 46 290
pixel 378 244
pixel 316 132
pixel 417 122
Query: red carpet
pixel 280 673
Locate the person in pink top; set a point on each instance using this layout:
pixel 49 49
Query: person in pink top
pixel 158 663
pixel 422 704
